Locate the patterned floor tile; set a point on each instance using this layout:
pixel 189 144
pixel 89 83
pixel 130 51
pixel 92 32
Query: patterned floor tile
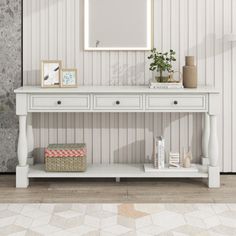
pixel 68 214
pixel 3 207
pixel 201 214
pixel 152 230
pixel 23 221
pixel 212 221
pixel 65 223
pixel 81 208
pixel 82 230
pixel 149 208
pixel 195 221
pixel 62 207
pixel 225 230
pixel 34 214
pixel 117 219
pixel 231 207
pixel 93 208
pixel 92 221
pixel 128 210
pixel 62 233
pixel 110 208
pixel 168 219
pixel 101 214
pixel 108 221
pixel 219 208
pixel 135 223
pixel 48 208
pixel 188 230
pixel 5 221
pixel 29 232
pixel 30 207
pixel 22 233
pixel 15 207
pixel 117 230
pixel 10 229
pixel 180 208
pixel 6 213
pixel 46 229
pixel 42 220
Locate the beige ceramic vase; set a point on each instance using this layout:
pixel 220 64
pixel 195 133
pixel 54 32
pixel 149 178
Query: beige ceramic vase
pixel 189 73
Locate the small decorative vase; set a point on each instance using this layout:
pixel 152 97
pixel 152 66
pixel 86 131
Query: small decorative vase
pixel 162 78
pixel 189 73
pixel 187 159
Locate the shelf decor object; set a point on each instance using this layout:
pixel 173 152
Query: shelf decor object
pixel 159 152
pixel 187 158
pixel 174 160
pixel 168 85
pixel 50 74
pixel 189 73
pixel 115 99
pixel 161 63
pixel 65 158
pixel 68 78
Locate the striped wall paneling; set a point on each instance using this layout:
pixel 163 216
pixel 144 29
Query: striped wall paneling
pixel 53 29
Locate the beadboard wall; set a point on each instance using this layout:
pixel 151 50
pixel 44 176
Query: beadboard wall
pixel 53 29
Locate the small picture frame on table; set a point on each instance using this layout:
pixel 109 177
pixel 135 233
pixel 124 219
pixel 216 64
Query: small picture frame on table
pixel 69 78
pixel 50 74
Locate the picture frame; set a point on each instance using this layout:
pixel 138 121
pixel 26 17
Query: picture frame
pixel 50 73
pixel 69 78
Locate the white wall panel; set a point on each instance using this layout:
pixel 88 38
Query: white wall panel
pixel 53 29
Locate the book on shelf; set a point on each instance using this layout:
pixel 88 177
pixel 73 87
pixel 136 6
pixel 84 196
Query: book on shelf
pixel 158 85
pixel 159 152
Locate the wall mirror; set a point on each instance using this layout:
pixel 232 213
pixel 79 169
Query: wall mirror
pixel 118 24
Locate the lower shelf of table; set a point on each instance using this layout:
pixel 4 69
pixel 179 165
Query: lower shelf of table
pixel 117 171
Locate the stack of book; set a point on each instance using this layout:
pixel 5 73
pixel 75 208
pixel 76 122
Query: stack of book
pixel 172 85
pixel 174 160
pixel 159 152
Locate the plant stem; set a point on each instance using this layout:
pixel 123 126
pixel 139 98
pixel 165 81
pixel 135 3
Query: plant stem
pixel 161 76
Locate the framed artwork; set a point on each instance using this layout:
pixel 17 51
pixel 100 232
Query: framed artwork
pixel 50 73
pixel 69 78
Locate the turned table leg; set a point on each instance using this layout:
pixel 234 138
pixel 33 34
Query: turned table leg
pixel 30 139
pixel 22 169
pixel 214 170
pixel 205 140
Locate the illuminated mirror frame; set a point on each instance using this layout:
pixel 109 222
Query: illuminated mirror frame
pixel 149 32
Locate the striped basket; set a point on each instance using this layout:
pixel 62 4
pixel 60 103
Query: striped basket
pixel 66 158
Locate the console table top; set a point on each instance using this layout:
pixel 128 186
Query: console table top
pixel 113 89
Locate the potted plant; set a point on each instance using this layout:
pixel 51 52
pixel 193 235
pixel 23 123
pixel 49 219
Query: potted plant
pixel 162 62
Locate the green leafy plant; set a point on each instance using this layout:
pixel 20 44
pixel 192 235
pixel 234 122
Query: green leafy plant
pixel 161 62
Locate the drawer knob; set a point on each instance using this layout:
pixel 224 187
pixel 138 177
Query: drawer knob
pixel 59 102
pixel 176 102
pixel 117 102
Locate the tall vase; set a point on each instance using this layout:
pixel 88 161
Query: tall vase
pixel 189 73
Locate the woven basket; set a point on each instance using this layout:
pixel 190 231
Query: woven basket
pixel 65 158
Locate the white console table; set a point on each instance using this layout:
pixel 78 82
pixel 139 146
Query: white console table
pixel 117 99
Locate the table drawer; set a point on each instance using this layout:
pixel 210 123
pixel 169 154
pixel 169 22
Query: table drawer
pixel 59 102
pixel 118 102
pixel 176 102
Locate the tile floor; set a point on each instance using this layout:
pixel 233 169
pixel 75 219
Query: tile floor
pixel 117 219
